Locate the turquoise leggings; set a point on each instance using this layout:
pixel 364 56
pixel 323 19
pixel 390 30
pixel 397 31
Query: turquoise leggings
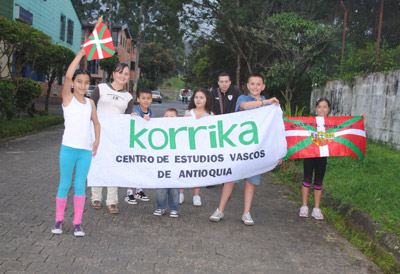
pixel 69 157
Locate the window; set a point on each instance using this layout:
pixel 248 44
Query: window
pixel 115 38
pixel 62 28
pixel 93 66
pixel 70 33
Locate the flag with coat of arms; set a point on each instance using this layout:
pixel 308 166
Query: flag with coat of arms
pixel 99 45
pixel 309 137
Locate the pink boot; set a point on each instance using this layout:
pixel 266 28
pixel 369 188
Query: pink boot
pixel 61 203
pixel 79 205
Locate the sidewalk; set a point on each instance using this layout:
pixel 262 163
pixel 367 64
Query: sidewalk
pixel 136 241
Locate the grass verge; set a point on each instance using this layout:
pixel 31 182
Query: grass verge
pixel 370 187
pixel 25 124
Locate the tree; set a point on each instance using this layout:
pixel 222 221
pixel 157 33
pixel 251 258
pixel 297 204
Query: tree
pixel 208 59
pixel 108 65
pixel 298 43
pixel 156 63
pixel 53 63
pixel 22 45
pixel 88 9
pixel 28 90
pixel 153 21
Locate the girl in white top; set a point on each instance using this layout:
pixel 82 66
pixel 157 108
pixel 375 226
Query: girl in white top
pixel 201 104
pixel 77 147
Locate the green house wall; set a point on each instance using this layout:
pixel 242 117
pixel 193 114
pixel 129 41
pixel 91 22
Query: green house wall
pixel 47 18
pixel 6 8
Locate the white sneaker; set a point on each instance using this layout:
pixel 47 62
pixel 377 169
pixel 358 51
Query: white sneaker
pixel 181 198
pixel 78 231
pixel 217 216
pixel 159 212
pixel 247 220
pixel 57 229
pixel 196 200
pixel 317 214
pixel 173 214
pixel 303 212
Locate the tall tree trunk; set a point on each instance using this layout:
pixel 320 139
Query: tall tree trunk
pixel 138 44
pixel 46 102
pixel 238 58
pixel 50 84
pixel 238 70
pixel 287 96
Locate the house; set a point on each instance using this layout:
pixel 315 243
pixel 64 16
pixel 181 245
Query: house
pixel 56 18
pixel 125 48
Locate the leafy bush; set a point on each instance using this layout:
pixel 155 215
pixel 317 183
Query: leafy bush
pixel 298 112
pixel 145 83
pixel 25 124
pixel 27 91
pixel 362 61
pixel 7 99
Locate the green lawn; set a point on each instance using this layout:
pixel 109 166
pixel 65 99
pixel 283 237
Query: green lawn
pixel 372 186
pixel 175 83
pixel 25 124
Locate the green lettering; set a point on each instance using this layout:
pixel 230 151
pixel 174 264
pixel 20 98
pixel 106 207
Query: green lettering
pixel 135 137
pixel 151 138
pixel 224 136
pixel 253 130
pixel 192 136
pixel 172 135
pixel 213 137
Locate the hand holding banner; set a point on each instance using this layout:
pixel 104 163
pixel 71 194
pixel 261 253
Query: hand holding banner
pixel 187 152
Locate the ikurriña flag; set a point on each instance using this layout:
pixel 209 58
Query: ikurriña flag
pixel 99 45
pixel 309 137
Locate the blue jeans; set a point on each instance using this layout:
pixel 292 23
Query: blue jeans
pixel 172 194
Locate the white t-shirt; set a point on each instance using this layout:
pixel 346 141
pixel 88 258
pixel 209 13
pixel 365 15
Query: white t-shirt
pixel 112 101
pixel 77 122
pixel 191 113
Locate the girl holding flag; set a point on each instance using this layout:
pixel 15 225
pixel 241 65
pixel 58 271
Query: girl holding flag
pixel 77 146
pixel 317 164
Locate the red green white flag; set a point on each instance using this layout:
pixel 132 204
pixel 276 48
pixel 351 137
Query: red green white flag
pixel 99 45
pixel 309 137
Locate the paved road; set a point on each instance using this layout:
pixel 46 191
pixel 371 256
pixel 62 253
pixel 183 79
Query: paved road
pixel 136 241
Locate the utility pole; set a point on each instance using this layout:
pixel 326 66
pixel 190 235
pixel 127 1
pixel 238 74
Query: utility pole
pixel 138 45
pixel 109 21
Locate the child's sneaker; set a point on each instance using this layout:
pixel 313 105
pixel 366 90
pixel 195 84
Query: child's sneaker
pixel 181 198
pixel 173 214
pixel 303 212
pixel 57 229
pixel 247 220
pixel 78 231
pixel 317 214
pixel 197 200
pixel 217 216
pixel 141 196
pixel 130 199
pixel 159 212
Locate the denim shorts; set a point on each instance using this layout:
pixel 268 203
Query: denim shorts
pixel 255 180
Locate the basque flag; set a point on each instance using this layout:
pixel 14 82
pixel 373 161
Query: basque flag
pixel 99 45
pixel 309 137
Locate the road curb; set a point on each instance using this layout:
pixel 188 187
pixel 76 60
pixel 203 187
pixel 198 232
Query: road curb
pixel 387 242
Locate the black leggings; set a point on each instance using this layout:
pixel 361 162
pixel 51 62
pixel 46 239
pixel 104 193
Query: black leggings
pixel 319 165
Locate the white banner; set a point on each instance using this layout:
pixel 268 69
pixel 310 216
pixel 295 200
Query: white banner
pixel 187 152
